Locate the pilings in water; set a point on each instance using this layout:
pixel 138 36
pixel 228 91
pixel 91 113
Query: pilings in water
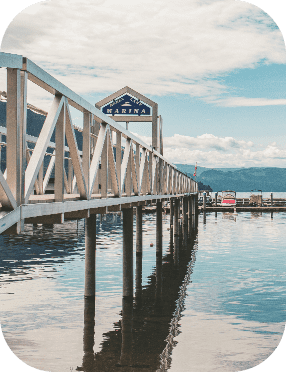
pixel 185 218
pixel 139 229
pixel 204 200
pixel 139 242
pixel 190 213
pixel 176 216
pixel 188 208
pixel 171 222
pixel 127 252
pixel 90 255
pixel 159 227
pixel 159 253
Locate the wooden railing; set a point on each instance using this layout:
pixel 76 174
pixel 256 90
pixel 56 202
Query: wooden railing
pixel 113 162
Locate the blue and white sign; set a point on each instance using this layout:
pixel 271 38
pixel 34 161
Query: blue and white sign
pixel 126 105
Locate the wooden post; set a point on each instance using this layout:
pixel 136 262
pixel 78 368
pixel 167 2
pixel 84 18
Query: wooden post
pixel 155 127
pixel 126 330
pixel 13 131
pixel 176 216
pixel 185 217
pixel 204 200
pixel 90 255
pixel 204 217
pixel 87 121
pixel 138 280
pixel 176 250
pixel 60 152
pixel 41 179
pixel 118 160
pixel 127 252
pixel 215 195
pixel 271 199
pixel 158 291
pixel 139 229
pixel 88 334
pixel 103 170
pixel 171 221
pixel 23 132
pixel 190 214
pixel 159 227
pixel 70 174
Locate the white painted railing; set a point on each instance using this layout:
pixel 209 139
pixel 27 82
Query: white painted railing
pixel 103 169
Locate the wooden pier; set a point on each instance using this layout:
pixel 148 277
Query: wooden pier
pixel 243 209
pixel 114 172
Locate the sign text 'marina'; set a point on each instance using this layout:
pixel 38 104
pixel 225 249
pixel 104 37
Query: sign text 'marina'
pixel 126 105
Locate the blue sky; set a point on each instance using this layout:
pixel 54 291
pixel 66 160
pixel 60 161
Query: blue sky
pixel 215 67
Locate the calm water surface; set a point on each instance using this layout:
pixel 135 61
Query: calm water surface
pixel 216 304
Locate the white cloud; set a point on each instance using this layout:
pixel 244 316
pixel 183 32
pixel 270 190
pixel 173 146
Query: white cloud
pixel 211 151
pixel 161 47
pixel 243 101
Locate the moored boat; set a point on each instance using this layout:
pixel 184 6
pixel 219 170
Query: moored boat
pixel 228 198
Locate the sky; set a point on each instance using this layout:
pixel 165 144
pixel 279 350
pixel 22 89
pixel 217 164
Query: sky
pixel 216 68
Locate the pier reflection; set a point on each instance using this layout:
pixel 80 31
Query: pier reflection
pixel 144 336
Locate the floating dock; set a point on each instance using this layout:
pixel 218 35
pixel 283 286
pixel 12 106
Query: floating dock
pixel 243 209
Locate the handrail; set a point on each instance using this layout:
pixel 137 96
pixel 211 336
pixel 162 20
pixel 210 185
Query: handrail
pixel 102 167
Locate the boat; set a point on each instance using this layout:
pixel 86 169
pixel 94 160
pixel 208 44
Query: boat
pixel 255 198
pixel 228 198
pixel 201 198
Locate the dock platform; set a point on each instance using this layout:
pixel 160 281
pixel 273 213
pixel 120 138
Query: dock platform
pixel 243 209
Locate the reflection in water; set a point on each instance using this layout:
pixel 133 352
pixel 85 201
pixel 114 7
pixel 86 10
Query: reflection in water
pixel 138 280
pixel 88 363
pixel 126 332
pixel 224 323
pixel 144 337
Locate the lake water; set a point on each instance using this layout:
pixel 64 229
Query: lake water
pixel 217 305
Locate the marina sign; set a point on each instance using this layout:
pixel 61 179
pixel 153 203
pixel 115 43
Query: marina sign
pixel 126 105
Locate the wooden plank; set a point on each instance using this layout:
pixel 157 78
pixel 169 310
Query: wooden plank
pixel 118 160
pixel 74 154
pixel 125 162
pixel 66 182
pixel 114 208
pixel 23 135
pixel 9 219
pixel 87 122
pixel 126 205
pixel 77 214
pixel 40 179
pixel 96 155
pixel 99 210
pixel 11 60
pixel 48 220
pixel 13 140
pixel 134 173
pixel 60 154
pixel 103 170
pixel 141 169
pixel 41 146
pixel 6 194
pixel 112 166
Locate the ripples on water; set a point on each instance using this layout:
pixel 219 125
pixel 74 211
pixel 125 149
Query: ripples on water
pixel 219 306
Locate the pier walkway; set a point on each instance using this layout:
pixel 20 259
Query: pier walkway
pixel 114 170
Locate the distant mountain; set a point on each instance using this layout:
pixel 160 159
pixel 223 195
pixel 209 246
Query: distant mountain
pixel 240 179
